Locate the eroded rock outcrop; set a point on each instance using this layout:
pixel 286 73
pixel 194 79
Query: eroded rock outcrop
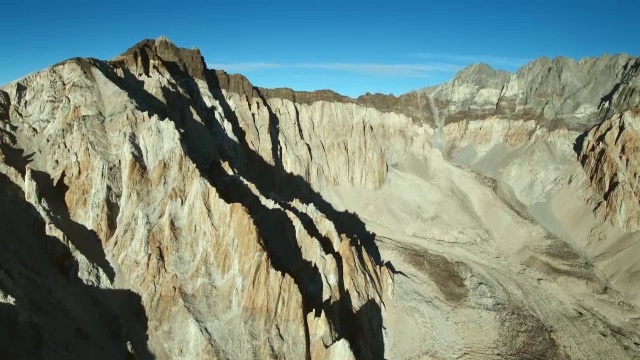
pixel 555 93
pixel 173 211
pixel 231 250
pixel 609 154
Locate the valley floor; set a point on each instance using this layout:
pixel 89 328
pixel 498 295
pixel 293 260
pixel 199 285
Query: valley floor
pixel 480 274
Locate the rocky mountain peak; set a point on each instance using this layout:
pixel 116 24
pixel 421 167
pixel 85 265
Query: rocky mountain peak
pixel 162 52
pixel 559 92
pixel 481 75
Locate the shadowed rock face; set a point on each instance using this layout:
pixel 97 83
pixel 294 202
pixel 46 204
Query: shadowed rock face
pixel 49 308
pixel 144 173
pixel 166 210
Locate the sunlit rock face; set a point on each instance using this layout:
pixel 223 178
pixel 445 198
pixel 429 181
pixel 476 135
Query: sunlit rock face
pixel 142 176
pixel 555 93
pixel 156 209
pixel 609 153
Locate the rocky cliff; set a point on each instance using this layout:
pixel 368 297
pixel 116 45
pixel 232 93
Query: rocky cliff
pixel 141 174
pixel 609 154
pixel 166 210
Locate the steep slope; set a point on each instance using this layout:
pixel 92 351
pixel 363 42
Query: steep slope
pixel 232 255
pixel 197 216
pixel 609 155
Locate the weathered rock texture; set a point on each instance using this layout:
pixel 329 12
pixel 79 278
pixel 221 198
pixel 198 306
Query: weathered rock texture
pixel 556 93
pixel 610 155
pixel 165 210
pixel 141 174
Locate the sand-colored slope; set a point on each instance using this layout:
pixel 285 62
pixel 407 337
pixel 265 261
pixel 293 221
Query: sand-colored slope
pixel 483 272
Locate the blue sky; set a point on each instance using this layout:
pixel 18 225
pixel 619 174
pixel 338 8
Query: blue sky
pixel 348 46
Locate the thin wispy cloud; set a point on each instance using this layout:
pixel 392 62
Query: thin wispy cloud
pixel 376 69
pixel 408 70
pixel 496 61
pixel 244 66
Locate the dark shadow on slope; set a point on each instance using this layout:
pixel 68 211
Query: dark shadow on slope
pixel 275 179
pixel 85 240
pixel 579 142
pixel 276 231
pixel 394 271
pixel 19 338
pixel 363 328
pixel 278 237
pixel 607 107
pixel 55 314
pixel 12 156
pixel 16 158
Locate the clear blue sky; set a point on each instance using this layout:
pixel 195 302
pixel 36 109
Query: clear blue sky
pixel 348 46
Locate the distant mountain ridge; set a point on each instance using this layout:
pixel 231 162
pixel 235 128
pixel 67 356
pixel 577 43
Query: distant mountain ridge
pixel 558 92
pixel 554 92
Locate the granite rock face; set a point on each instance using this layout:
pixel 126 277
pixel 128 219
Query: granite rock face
pixel 555 93
pixel 609 154
pixel 166 210
pixel 138 178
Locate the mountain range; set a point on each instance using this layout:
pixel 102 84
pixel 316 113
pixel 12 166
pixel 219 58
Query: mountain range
pixel 156 209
